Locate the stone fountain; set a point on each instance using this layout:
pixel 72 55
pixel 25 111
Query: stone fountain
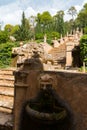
pixel 37 103
pixel 46 111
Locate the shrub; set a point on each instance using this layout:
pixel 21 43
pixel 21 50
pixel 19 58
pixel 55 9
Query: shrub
pixel 83 48
pixel 39 36
pixel 3 37
pixel 5 54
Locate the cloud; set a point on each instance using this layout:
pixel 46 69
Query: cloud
pixel 4 2
pixel 9 13
pixel 78 8
pixel 85 1
pixel 12 13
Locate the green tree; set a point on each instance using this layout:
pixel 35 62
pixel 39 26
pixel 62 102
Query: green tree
pixel 24 29
pixel 11 30
pixel 59 22
pixel 82 17
pixel 32 21
pixel 43 22
pixel 68 26
pixel 83 48
pixel 4 37
pixel 72 11
pixel 6 53
pixel 14 29
pixel 46 18
pixel 85 30
pixel 8 28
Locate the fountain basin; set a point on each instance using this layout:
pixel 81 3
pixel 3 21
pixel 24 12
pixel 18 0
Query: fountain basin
pixel 57 115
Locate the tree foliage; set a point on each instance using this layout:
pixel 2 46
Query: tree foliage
pixel 82 17
pixel 11 30
pixel 8 28
pixel 83 48
pixel 3 37
pixel 23 32
pixel 59 22
pixel 51 25
pixel 43 22
pixel 5 53
pixel 72 11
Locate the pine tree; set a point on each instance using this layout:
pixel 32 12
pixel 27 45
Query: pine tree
pixel 24 29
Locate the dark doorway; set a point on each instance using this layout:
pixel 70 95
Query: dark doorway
pixel 76 57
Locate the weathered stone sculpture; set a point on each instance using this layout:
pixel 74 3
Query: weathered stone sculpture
pixel 30 50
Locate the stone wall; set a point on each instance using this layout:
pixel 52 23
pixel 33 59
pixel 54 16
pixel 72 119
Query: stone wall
pixel 71 87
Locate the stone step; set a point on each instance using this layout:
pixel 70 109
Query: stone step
pixel 61 48
pixel 7 81
pixel 57 53
pixel 7 71
pixel 6 103
pixel 60 55
pixel 7 77
pixel 5 110
pixel 57 50
pixel 58 58
pixel 3 84
pixel 7 91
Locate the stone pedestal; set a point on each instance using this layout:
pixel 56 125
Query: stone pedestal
pixel 69 47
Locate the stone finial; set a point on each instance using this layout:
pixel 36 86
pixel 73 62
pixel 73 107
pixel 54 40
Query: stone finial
pixel 21 43
pixel 81 32
pixel 45 38
pixel 61 39
pixel 77 30
pixel 61 36
pixel 71 32
pixel 55 42
pixel 67 34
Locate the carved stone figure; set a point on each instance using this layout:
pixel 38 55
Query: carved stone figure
pixel 31 50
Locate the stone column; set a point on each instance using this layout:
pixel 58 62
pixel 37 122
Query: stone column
pixel 69 47
pixel 26 87
pixel 19 97
pixel 45 38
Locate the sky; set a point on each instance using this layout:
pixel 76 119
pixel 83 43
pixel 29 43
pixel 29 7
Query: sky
pixel 11 10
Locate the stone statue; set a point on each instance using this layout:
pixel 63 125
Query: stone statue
pixel 45 38
pixel 31 50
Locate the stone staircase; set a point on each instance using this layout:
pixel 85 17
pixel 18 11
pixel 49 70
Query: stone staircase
pixel 6 90
pixel 58 54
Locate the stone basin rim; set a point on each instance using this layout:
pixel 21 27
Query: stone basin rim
pixel 45 116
